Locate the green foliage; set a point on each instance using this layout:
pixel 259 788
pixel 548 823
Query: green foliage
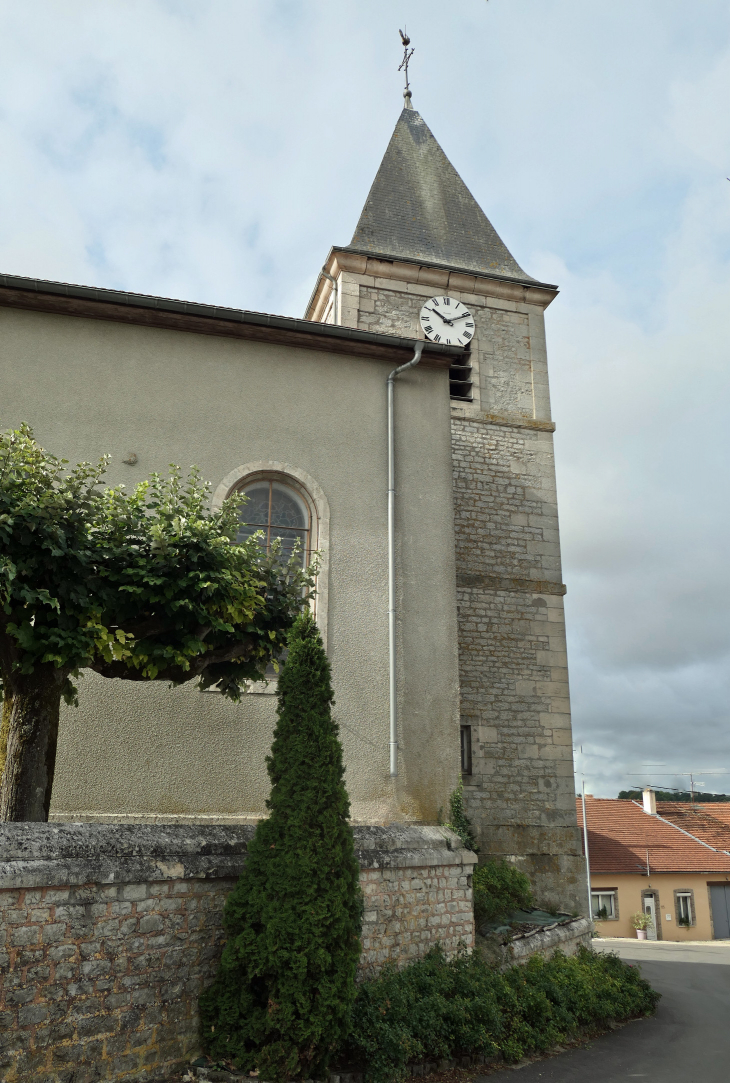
pixel 641 920
pixel 683 796
pixel 458 820
pixel 282 998
pixel 436 1008
pixel 498 889
pixel 143 586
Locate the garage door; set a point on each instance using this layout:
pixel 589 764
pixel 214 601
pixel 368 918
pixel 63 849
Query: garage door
pixel 720 896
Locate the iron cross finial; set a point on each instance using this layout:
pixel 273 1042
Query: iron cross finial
pixel 403 66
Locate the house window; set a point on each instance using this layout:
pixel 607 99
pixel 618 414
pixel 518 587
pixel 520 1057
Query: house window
pixel 466 750
pixel 685 908
pixel 277 511
pixel 603 905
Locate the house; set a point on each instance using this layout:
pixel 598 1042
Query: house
pixel 667 859
pixel 292 412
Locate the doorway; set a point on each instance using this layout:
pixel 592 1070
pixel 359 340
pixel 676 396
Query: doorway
pixel 720 901
pixel 649 903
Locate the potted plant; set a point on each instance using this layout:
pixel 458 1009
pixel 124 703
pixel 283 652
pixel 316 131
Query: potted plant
pixel 641 923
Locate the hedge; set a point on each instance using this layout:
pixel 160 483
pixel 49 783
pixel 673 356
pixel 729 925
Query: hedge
pixel 442 1009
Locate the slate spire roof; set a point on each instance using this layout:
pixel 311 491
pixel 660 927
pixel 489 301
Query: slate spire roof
pixel 420 209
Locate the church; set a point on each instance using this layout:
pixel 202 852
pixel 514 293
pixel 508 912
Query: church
pixel 428 495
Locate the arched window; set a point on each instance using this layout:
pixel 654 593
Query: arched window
pixel 276 510
pixel 284 502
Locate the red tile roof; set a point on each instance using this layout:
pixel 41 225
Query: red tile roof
pixel 703 822
pixel 719 810
pixel 620 833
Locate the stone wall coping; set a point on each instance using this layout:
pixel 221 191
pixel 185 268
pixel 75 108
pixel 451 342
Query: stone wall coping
pixel 406 846
pixel 55 854
pixel 571 933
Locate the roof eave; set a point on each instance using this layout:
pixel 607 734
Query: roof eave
pixel 527 281
pixel 164 312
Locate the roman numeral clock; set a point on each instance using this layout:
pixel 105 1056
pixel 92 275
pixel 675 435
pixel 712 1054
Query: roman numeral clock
pixel 445 320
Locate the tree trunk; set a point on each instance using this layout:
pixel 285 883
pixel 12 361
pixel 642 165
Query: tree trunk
pixel 28 738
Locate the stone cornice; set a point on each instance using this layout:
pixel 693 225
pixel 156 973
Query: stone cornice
pixel 502 420
pixel 429 274
pixel 477 581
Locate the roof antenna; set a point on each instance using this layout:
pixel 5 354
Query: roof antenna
pixel 403 66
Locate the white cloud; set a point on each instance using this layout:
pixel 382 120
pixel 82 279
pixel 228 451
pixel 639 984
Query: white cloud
pixel 215 149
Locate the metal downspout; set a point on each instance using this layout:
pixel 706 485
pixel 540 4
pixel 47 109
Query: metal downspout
pixel 418 350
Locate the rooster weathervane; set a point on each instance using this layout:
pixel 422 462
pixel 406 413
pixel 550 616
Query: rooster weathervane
pixel 403 66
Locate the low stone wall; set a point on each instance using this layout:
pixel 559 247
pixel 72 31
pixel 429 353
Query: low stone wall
pixel 416 883
pixel 568 936
pixel 108 933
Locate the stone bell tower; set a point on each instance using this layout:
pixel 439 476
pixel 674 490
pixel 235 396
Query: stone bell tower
pixel 420 234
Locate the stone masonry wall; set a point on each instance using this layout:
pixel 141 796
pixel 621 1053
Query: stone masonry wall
pixel 512 654
pixel 108 933
pixel 101 981
pixel 409 911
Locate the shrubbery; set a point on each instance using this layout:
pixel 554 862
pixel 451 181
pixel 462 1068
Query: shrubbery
pixel 437 1008
pixel 458 820
pixel 499 888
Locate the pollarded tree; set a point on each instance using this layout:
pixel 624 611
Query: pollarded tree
pixel 282 998
pixel 143 586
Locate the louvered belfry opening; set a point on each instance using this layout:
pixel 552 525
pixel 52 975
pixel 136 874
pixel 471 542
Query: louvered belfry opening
pixel 460 386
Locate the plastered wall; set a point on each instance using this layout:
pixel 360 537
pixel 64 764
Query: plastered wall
pixel 629 901
pixel 90 387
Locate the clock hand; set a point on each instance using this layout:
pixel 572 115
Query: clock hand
pixel 466 316
pixel 442 318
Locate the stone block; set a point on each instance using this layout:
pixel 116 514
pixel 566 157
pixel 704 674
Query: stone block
pixel 15 917
pixel 95 968
pixel 31 1014
pixel 151 923
pixel 24 935
pixel 93 1025
pixel 62 952
pixel 134 892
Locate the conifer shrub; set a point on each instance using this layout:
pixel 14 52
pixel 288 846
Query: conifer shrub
pixel 498 889
pixel 437 1008
pixel 282 999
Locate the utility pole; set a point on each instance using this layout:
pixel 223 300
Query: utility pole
pixel 585 846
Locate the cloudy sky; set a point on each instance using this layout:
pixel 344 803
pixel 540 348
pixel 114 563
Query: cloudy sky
pixel 214 150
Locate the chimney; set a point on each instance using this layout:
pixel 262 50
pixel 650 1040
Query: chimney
pixel 649 801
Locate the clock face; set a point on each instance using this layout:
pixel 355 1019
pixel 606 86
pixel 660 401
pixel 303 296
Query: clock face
pixel 445 320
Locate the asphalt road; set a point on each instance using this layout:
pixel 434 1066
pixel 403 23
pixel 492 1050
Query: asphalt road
pixel 687 1041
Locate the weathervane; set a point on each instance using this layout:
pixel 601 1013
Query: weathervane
pixel 403 66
